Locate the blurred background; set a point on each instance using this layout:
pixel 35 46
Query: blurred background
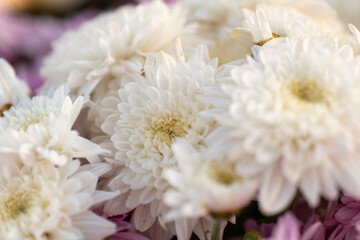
pixel 28 27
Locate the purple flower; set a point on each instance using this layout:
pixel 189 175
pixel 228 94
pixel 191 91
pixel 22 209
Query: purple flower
pixel 345 219
pixel 289 228
pixel 122 226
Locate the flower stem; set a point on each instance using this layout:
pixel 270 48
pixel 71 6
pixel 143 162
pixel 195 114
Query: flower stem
pixel 215 235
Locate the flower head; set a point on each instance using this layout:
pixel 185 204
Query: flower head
pixel 205 186
pixel 289 228
pixel 40 129
pixel 218 18
pixel 146 117
pixel 113 44
pixel 294 125
pixel 45 202
pixel 344 219
pixel 269 23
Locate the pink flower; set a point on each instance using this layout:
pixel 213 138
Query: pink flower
pixel 346 219
pixel 289 228
pixel 123 227
pixel 25 41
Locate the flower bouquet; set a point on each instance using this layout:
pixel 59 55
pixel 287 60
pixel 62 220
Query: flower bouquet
pixel 222 119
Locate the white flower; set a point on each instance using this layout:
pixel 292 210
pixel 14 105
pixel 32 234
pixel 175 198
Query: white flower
pixel 145 117
pixel 40 129
pixel 205 186
pixel 114 44
pixel 217 19
pixel 268 23
pixel 45 202
pixel 12 90
pixel 294 121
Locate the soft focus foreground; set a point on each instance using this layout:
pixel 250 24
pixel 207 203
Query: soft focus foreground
pixel 185 119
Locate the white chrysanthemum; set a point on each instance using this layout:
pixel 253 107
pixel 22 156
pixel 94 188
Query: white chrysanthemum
pixel 45 202
pixel 114 43
pixel 40 129
pixel 12 90
pixel 269 22
pixel 205 186
pixel 294 121
pixel 217 18
pixel 145 117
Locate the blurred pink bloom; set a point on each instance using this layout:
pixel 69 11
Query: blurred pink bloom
pixel 123 227
pixel 289 228
pixel 26 40
pixel 346 219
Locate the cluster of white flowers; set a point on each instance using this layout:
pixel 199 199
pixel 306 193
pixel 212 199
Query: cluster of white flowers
pixel 191 111
pixel 44 192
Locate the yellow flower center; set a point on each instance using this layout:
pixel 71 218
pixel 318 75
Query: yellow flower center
pixel 223 174
pixel 28 122
pixel 30 119
pixel 307 91
pixel 15 205
pixel 168 129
